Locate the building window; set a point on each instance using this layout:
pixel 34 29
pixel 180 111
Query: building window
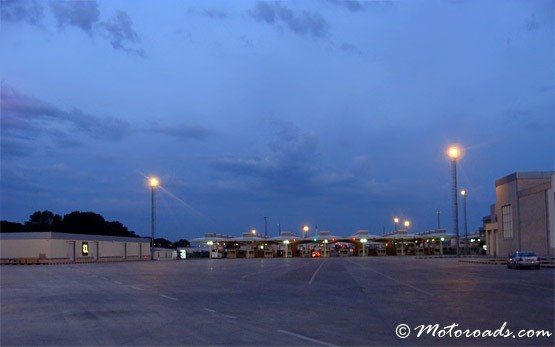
pixel 507 220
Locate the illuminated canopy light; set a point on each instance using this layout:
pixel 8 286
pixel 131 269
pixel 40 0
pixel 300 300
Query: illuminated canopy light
pixel 363 240
pixel 454 152
pixel 153 182
pixel 286 242
pixel 443 239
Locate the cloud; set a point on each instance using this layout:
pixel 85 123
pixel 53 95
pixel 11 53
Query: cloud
pixel 183 132
pixel 121 33
pixel 30 11
pixel 81 14
pixel 210 13
pixel 25 118
pixel 351 5
pixel 351 49
pixel 358 6
pixel 303 23
pixel 287 169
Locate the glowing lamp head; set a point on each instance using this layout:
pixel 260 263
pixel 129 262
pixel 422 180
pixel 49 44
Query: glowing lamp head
pixel 395 220
pixel 253 231
pixel 306 228
pixel 464 192
pixel 407 223
pixel 454 152
pixel 153 182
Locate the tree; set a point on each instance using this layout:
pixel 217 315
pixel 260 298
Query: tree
pixel 85 223
pixel 161 242
pixel 11 227
pixel 43 221
pixel 182 243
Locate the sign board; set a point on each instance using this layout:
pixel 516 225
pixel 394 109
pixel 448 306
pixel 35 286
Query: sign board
pixel 85 248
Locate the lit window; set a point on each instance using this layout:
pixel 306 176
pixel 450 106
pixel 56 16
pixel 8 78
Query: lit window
pixel 507 219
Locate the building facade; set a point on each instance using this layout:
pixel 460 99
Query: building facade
pixel 54 247
pixel 523 217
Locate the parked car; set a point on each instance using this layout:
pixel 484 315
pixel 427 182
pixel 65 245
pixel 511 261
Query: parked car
pixel 523 259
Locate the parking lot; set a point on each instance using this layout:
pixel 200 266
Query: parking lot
pixel 333 301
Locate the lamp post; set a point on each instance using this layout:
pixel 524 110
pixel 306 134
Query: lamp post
pixel 305 234
pixel 153 182
pixel 464 194
pixel 395 222
pixel 454 153
pixel 407 225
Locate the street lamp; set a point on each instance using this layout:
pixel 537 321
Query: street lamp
pixel 406 224
pixel 454 153
pixel 305 230
pixel 253 231
pixel 464 194
pixel 396 221
pixel 154 183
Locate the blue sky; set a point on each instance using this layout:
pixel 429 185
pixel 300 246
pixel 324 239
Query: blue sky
pixel 328 113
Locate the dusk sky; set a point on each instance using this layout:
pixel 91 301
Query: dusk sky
pixel 327 113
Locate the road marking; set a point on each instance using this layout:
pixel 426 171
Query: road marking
pixel 168 297
pixel 265 270
pixel 210 310
pixel 306 338
pixel 315 272
pixel 393 279
pixel 118 282
pixel 134 287
pixel 229 316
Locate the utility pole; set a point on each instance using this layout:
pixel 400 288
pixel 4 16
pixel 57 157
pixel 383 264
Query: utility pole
pixel 266 226
pixel 438 219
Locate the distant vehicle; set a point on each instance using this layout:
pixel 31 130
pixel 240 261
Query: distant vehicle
pixel 316 254
pixel 523 259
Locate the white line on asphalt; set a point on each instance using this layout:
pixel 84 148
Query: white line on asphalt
pixel 168 297
pixel 306 338
pixel 134 287
pixel 118 282
pixel 210 310
pixel 229 316
pixel 315 272
pixel 403 283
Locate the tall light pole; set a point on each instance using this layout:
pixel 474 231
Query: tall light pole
pixel 438 219
pixel 305 230
pixel 395 222
pixel 153 182
pixel 464 194
pixel 454 153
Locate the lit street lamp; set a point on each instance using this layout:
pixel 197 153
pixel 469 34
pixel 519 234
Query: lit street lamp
pixel 407 224
pixel 305 230
pixel 464 194
pixel 454 153
pixel 395 222
pixel 154 183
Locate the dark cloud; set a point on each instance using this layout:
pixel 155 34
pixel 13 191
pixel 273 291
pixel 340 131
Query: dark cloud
pixel 358 6
pixel 210 13
pixel 532 24
pixel 289 167
pixel 183 132
pixel 351 5
pixel 82 14
pixel 121 33
pixel 351 49
pixel 25 118
pixel 30 11
pixel 302 23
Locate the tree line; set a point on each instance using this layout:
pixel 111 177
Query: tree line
pixel 77 222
